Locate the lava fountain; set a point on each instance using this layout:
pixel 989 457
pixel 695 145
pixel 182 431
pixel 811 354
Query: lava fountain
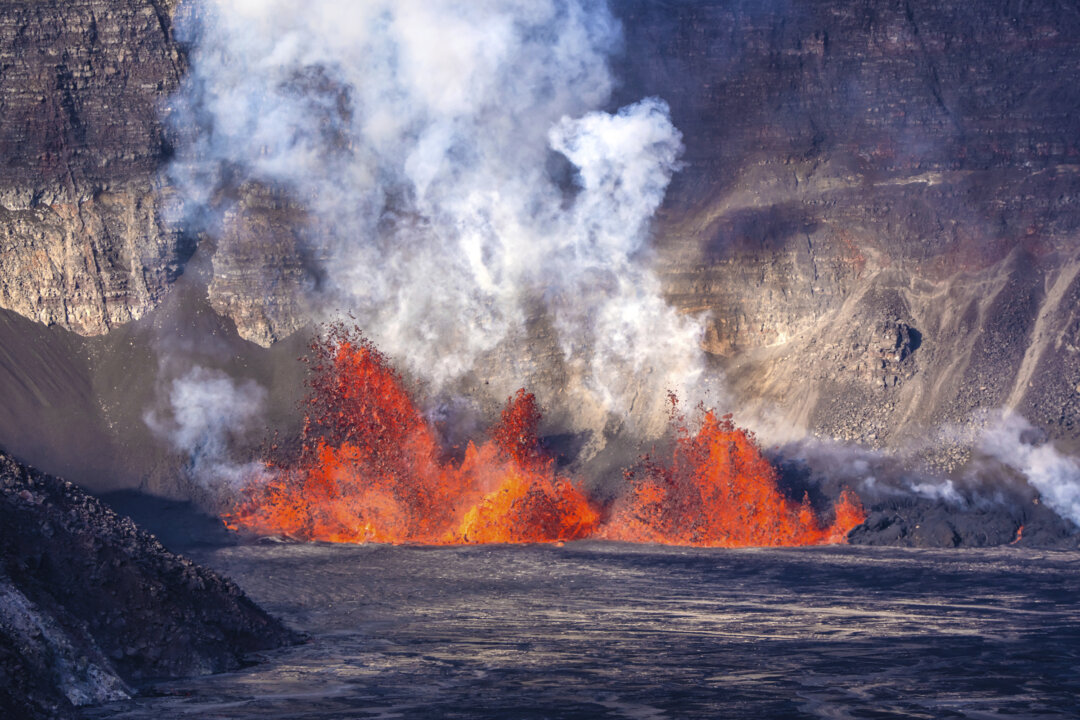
pixel 370 468
pixel 720 491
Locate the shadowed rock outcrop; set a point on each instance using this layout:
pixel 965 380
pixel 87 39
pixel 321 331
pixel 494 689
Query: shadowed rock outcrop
pixel 89 603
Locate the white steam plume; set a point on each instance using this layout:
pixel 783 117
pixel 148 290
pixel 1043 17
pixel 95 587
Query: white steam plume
pixel 207 410
pixel 1015 442
pixel 426 138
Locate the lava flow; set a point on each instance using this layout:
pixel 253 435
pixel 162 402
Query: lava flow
pixel 720 491
pixel 369 469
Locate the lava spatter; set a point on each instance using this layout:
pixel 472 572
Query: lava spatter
pixel 720 491
pixel 531 503
pixel 370 469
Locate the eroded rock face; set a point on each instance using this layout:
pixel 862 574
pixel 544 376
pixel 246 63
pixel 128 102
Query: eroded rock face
pixel 262 274
pixel 82 241
pixel 878 210
pixel 879 206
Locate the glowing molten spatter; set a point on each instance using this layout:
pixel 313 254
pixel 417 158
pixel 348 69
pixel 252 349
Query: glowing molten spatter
pixel 369 468
pixel 720 491
pixel 531 503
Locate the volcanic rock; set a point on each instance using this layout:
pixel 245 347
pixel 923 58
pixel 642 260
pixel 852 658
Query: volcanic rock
pixel 851 172
pixel 855 171
pixel 90 604
pixel 83 242
pixel 922 522
pixel 262 272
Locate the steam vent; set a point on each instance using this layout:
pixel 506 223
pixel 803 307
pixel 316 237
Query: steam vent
pixel 539 359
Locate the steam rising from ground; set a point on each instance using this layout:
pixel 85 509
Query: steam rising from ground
pixel 1014 441
pixel 459 171
pixel 462 180
pixel 206 410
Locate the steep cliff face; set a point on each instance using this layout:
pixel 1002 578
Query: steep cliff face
pixel 880 206
pixel 83 244
pixel 261 276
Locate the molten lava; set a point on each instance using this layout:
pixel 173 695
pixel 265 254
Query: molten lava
pixel 369 468
pixel 720 491
pixel 530 503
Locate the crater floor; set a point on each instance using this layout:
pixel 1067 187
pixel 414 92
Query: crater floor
pixel 603 630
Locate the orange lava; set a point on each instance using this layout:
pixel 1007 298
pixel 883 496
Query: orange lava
pixel 720 491
pixel 370 468
pixel 531 503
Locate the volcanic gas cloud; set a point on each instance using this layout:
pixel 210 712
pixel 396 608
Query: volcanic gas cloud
pixel 370 468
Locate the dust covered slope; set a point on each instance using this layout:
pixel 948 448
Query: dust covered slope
pixel 76 406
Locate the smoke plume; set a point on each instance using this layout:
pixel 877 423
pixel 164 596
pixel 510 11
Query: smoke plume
pixel 461 172
pixel 207 410
pixel 1015 442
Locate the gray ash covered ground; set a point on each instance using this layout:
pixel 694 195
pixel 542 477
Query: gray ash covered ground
pixel 604 630
pixel 90 604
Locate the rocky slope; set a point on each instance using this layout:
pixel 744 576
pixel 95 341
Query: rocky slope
pixel 90 604
pixel 880 198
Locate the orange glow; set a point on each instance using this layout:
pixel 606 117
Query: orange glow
pixel 720 491
pixel 369 468
pixel 530 503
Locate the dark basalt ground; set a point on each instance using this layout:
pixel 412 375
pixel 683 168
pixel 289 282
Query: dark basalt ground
pixel 604 630
pixel 915 508
pixel 89 603
pixel 921 522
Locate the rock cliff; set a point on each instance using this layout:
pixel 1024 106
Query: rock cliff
pixel 83 241
pixel 879 208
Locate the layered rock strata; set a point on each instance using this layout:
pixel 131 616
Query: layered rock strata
pixel 880 198
pixel 83 241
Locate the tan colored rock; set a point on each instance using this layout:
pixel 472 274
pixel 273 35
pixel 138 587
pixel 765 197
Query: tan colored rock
pixel 262 275
pixel 88 266
pixel 82 241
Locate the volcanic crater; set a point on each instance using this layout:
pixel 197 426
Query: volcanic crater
pixel 554 359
